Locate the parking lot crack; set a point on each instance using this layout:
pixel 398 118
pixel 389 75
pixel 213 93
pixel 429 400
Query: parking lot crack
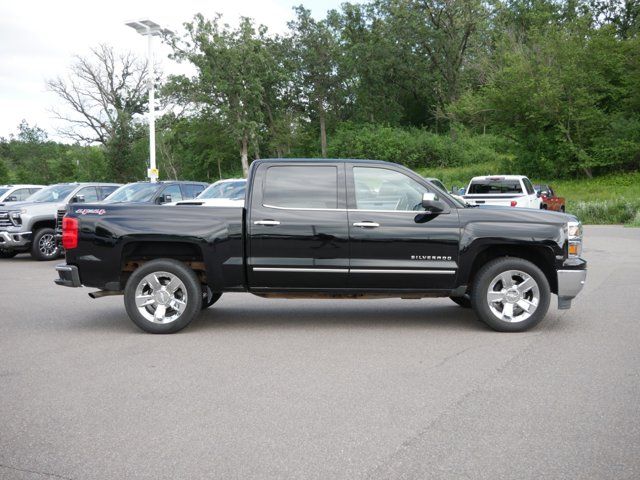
pixel 43 474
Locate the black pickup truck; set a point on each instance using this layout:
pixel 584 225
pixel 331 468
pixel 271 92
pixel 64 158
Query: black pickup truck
pixel 326 229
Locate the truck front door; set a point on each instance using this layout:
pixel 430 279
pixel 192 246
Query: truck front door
pixel 298 237
pixel 394 243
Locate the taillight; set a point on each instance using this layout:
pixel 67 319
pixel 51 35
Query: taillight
pixel 69 233
pixel 513 203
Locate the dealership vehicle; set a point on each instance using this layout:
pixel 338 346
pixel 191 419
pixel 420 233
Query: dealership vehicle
pixel 158 193
pixel 549 199
pixel 17 193
pixel 502 190
pixel 326 229
pixel 29 226
pixel 223 193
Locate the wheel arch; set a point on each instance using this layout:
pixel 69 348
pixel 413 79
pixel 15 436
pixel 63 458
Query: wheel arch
pixel 138 252
pixel 541 256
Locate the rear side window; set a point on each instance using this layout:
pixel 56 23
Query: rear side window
pixel 495 186
pixel 301 187
pixel 528 186
pixel 192 191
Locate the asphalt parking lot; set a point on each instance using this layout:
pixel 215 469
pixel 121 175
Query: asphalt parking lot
pixel 349 389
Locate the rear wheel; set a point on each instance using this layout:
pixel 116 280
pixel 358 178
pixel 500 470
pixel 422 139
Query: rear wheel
pixel 163 296
pixel 510 294
pixel 45 246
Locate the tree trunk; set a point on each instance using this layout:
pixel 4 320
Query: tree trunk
pixel 323 132
pixel 244 155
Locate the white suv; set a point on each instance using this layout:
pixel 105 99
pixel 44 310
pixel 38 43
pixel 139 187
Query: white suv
pixel 503 190
pixel 17 193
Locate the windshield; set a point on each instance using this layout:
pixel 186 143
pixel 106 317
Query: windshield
pixel 134 192
pixel 494 186
pixel 3 191
pixel 230 190
pixel 54 193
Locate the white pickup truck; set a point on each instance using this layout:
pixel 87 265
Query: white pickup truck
pixel 503 190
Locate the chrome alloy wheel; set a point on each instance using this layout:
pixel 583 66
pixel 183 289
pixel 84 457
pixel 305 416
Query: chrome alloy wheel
pixel 48 245
pixel 161 297
pixel 513 296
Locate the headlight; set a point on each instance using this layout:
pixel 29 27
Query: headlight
pixel 574 231
pixel 15 218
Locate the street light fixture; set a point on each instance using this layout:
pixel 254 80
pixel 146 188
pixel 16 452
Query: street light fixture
pixel 150 29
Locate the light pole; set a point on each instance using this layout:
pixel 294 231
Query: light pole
pixel 150 29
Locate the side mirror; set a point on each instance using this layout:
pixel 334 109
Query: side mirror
pixel 164 199
pixel 454 189
pixel 538 194
pixel 12 198
pixel 432 203
pixel 78 199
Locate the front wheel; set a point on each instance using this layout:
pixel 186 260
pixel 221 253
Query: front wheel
pixel 163 296
pixel 45 246
pixel 510 294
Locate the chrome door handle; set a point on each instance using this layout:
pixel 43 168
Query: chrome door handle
pixel 366 224
pixel 266 222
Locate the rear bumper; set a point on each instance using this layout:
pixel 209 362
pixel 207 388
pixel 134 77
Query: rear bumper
pixel 68 276
pixel 570 284
pixel 14 240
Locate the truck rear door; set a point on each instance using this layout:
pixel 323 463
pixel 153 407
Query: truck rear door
pixel 297 229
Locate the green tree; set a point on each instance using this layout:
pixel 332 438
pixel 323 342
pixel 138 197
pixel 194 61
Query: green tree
pixel 230 64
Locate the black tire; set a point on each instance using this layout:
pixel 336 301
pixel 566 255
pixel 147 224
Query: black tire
pixel 7 253
pixel 489 273
pixel 191 296
pixel 44 246
pixel 464 302
pixel 562 209
pixel 208 297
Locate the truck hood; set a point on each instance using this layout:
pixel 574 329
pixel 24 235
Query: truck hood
pixel 33 208
pixel 515 215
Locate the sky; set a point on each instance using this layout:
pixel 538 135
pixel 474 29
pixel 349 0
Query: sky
pixel 38 40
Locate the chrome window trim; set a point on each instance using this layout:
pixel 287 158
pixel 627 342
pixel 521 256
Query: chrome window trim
pixel 349 210
pixel 306 208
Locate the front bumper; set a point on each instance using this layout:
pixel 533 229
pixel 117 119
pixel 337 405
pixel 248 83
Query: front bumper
pixel 570 283
pixel 68 276
pixel 14 240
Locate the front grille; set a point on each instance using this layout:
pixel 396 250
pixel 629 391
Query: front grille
pixel 5 221
pixel 59 217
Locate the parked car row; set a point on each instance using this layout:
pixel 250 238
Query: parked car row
pixel 507 191
pixel 31 215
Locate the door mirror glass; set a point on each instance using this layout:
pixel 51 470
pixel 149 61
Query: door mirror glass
pixel 432 203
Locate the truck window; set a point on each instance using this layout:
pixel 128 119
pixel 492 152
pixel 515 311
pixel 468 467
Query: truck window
pixel 301 187
pixel 192 190
pixel 382 189
pixel 89 193
pixel 494 186
pixel 174 191
pixel 528 186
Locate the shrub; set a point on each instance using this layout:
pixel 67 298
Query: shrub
pixel 606 211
